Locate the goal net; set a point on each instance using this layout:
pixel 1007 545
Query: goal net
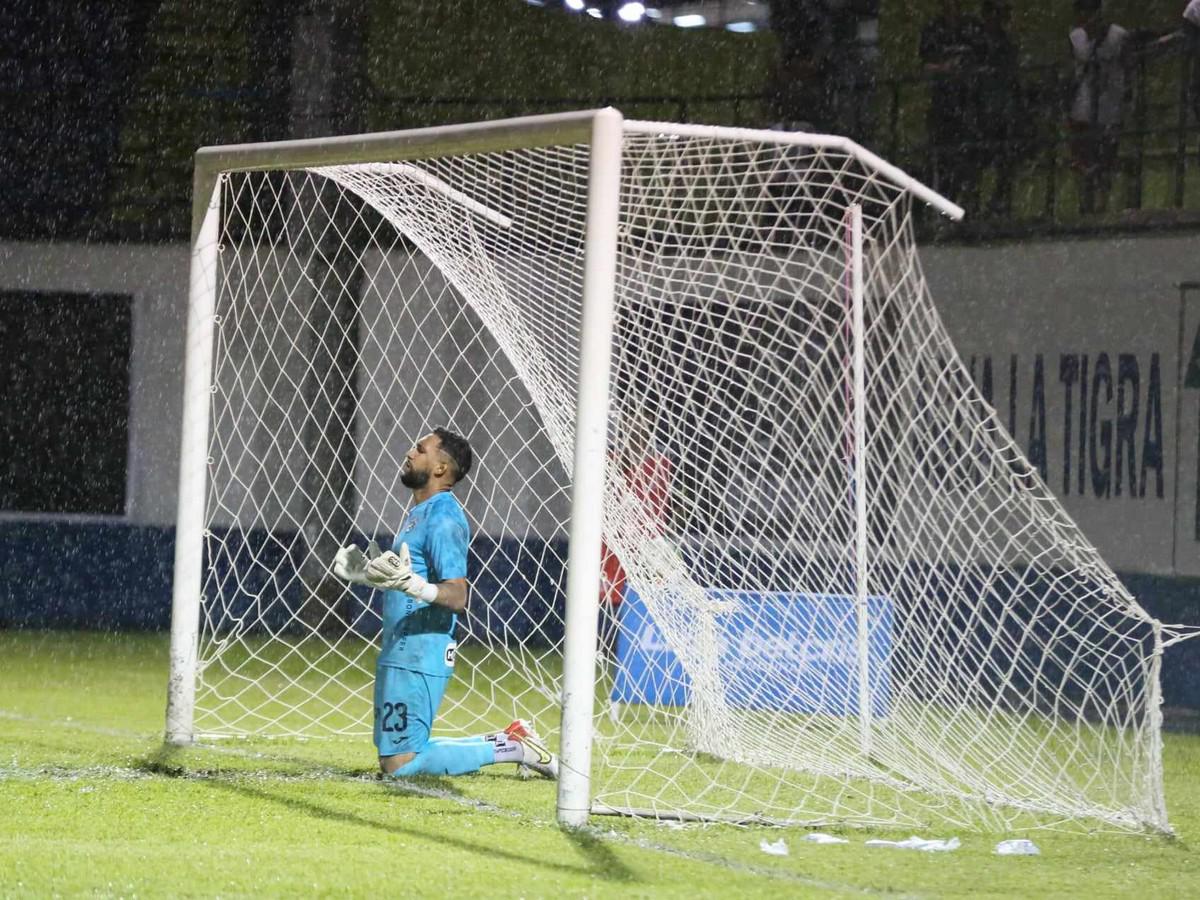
pixel 833 590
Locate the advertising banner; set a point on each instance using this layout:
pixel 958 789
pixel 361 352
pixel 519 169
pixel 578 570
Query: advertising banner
pixel 775 651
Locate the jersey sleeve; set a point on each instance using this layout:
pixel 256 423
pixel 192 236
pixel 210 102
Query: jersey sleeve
pixel 446 552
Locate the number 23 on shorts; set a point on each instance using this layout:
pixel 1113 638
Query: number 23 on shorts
pixel 395 718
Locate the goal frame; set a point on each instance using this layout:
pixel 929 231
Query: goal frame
pixel 602 130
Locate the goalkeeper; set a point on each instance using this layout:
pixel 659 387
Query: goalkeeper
pixel 424 580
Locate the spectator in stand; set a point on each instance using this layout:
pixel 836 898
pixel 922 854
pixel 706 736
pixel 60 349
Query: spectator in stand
pixel 952 50
pixel 1000 101
pixel 1186 39
pixel 801 86
pixel 1100 50
pixel 647 473
pixel 1190 35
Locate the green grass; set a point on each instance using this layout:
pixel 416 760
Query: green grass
pixel 279 685
pixel 92 804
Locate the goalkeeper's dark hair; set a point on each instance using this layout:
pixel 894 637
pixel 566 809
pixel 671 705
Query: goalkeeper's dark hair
pixel 458 448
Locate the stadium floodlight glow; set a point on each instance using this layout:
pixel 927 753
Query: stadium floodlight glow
pixel 594 12
pixel 631 12
pixel 653 12
pixel 888 619
pixel 691 20
pixel 742 27
pixel 575 5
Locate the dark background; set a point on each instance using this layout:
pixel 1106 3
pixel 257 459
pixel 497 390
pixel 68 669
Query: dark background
pixel 103 104
pixel 64 420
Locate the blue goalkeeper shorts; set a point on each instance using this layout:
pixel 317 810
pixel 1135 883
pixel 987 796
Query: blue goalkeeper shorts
pixel 405 705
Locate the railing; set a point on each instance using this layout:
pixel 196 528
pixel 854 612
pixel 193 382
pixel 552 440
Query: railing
pixel 1155 176
pixel 1155 182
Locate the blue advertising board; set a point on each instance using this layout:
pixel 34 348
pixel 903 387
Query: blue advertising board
pixel 777 651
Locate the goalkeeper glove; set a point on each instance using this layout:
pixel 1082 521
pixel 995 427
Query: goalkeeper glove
pixel 350 563
pixel 394 572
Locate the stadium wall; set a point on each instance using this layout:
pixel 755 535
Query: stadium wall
pixel 1089 351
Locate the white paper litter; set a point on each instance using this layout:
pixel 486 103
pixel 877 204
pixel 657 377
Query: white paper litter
pixel 779 848
pixel 1018 847
pixel 817 838
pixel 916 843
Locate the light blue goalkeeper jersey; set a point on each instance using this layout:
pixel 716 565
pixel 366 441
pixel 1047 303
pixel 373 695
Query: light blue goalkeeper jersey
pixel 420 636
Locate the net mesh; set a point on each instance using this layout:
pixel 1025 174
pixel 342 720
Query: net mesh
pixel 984 667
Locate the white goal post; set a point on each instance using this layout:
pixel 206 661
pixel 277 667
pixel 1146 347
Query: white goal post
pixel 746 541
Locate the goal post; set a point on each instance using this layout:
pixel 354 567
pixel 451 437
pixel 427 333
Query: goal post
pixel 193 462
pixel 591 450
pixel 747 543
pixel 858 404
pixel 210 164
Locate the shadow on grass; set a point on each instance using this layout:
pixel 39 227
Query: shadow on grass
pixel 163 760
pixel 600 861
pixel 599 855
pixel 172 762
pixel 395 829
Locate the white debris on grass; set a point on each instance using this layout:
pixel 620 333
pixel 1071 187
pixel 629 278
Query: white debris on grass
pixel 1017 847
pixel 779 848
pixel 926 845
pixel 916 843
pixel 818 838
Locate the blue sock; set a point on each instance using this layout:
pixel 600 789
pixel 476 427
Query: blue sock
pixel 473 739
pixel 443 756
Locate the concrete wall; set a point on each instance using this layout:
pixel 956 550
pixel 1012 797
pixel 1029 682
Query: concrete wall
pixel 1079 345
pixel 156 277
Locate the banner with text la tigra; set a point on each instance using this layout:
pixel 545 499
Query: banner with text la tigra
pixel 1096 374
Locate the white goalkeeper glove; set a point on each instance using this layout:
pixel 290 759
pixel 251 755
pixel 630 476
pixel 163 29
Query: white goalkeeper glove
pixel 394 572
pixel 350 563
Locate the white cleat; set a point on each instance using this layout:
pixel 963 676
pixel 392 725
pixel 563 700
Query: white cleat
pixel 537 755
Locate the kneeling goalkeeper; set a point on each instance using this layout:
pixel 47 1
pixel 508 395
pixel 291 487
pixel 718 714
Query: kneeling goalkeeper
pixel 424 579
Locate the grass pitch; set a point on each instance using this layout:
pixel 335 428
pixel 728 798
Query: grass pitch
pixel 91 803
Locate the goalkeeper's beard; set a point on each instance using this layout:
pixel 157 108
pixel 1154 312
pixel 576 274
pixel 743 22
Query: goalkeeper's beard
pixel 413 479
